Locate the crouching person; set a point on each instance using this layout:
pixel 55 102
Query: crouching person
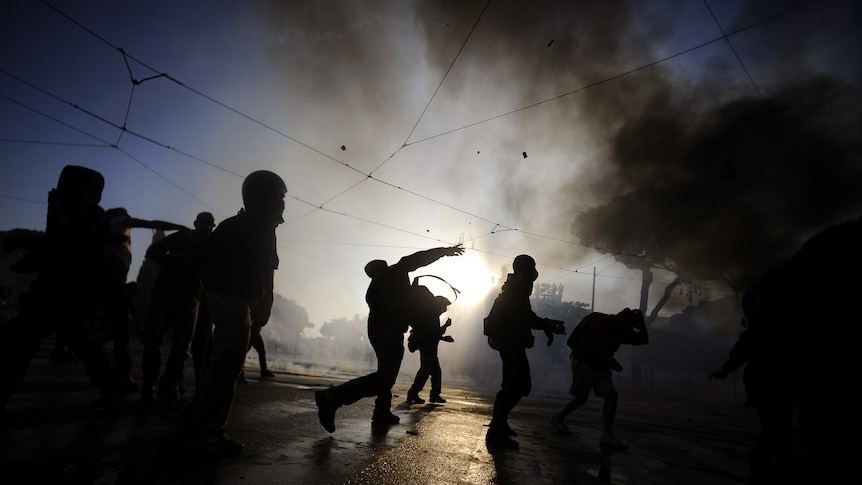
pixel 593 344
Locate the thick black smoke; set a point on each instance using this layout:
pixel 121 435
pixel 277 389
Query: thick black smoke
pixel 714 164
pixel 717 175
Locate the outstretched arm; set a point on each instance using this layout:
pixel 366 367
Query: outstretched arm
pixel 738 357
pixel 134 222
pixel 551 327
pixel 419 259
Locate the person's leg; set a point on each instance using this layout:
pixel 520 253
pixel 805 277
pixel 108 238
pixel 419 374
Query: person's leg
pixel 609 411
pixel 182 329
pixel 89 352
pixel 260 348
pixel 201 341
pixel 571 406
pixel 214 397
pixel 436 377
pixel 421 376
pixel 390 353
pixel 775 414
pixel 516 385
pixel 389 349
pixel 604 388
pixel 118 311
pixel 154 336
pixel 583 378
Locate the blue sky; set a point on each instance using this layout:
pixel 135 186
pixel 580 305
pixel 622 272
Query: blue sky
pixel 434 103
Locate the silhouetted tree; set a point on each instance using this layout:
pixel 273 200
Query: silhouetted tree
pixel 288 322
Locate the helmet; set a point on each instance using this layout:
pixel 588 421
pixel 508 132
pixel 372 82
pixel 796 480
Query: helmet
pixel 263 191
pixel 525 265
pixel 374 267
pixel 205 221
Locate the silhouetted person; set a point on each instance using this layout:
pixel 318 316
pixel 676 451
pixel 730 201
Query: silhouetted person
pixel 64 298
pixel 594 342
pixel 425 336
pixel 800 348
pixel 256 343
pixel 116 262
pixel 823 305
pixel 175 303
pixel 201 340
pixel 509 327
pixel 237 262
pixel 388 298
pixel 769 379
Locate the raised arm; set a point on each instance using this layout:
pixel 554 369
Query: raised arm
pixel 134 222
pixel 419 259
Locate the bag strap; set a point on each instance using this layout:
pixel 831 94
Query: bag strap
pixel 454 290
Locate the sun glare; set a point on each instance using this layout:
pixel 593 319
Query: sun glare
pixel 470 275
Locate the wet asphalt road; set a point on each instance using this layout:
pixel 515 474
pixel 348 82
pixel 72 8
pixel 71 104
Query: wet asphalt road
pixel 51 435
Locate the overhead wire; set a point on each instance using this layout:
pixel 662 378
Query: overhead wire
pixel 611 78
pixel 733 49
pixel 442 80
pixel 105 144
pixel 121 128
pixel 127 56
pixel 367 176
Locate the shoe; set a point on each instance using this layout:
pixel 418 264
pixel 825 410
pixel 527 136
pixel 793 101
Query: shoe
pixel 435 398
pixel 220 444
pixel 611 441
pixel 498 438
pixel 414 398
pixel 325 410
pixel 560 425
pixel 385 418
pixel 266 373
pixel 241 378
pixel 508 430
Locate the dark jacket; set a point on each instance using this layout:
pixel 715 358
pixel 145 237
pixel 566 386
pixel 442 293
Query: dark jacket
pixel 389 296
pixel 239 257
pixel 511 321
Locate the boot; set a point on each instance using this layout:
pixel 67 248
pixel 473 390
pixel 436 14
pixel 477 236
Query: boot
pixel 498 437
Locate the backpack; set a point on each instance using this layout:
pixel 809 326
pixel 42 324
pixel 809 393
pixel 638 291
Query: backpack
pixel 576 338
pixel 492 325
pixel 423 311
pixel 497 326
pixel 455 291
pixel 420 301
